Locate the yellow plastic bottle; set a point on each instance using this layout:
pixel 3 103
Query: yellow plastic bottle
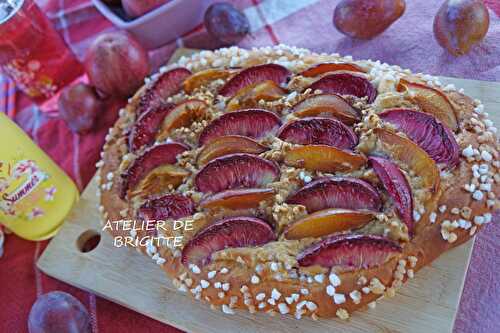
pixel 35 194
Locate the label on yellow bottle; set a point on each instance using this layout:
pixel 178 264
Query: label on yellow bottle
pixel 24 189
pixel 35 194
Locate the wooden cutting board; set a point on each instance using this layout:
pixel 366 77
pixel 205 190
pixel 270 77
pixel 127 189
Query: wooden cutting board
pixel 427 303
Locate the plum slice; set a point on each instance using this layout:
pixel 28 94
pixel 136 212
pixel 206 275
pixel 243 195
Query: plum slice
pixel 319 131
pixel 166 176
pixel 151 159
pixel 346 84
pixel 166 85
pixel 162 208
pixel 431 101
pixel 182 115
pixel 226 145
pixel 397 186
pixel 412 156
pixel 236 171
pixel 169 206
pixel 348 252
pixel 426 131
pixel 231 232
pixel 147 126
pixel 326 222
pixel 337 192
pixel 250 96
pixel 323 158
pixel 254 123
pixel 253 75
pixel 327 67
pixel 326 105
pixel 205 77
pixel 238 199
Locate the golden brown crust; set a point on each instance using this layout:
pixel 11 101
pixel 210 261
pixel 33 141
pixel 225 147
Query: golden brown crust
pixel 237 288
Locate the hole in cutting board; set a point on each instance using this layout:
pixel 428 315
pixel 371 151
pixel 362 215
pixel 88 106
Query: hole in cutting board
pixel 88 241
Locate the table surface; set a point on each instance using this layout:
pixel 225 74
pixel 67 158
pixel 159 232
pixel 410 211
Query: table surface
pixel 305 23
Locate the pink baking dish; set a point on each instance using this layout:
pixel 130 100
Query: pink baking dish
pixel 161 25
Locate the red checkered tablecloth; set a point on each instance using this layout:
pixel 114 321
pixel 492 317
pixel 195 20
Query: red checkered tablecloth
pixel 305 23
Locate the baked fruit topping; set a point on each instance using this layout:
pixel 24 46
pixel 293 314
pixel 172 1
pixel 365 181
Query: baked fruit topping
pixel 167 176
pixel 254 123
pixel 147 126
pixel 328 221
pixel 346 84
pixel 150 160
pixel 347 252
pixel 426 131
pixel 236 171
pixel 326 105
pixel 412 156
pixel 397 186
pixel 319 131
pixel 251 95
pixel 337 192
pixel 228 144
pixel 168 84
pixel 328 67
pixel 431 101
pixel 202 78
pixel 181 115
pixel 254 75
pixel 241 231
pixel 324 158
pixel 244 198
pixel 169 206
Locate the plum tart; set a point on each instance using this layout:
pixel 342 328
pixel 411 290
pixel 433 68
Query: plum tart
pixel 312 184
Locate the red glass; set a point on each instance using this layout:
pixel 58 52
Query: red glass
pixel 33 54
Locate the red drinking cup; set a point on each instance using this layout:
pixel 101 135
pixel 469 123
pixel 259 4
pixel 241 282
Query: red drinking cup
pixel 32 53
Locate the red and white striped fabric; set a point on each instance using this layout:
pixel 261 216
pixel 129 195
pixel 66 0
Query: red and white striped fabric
pixel 305 23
